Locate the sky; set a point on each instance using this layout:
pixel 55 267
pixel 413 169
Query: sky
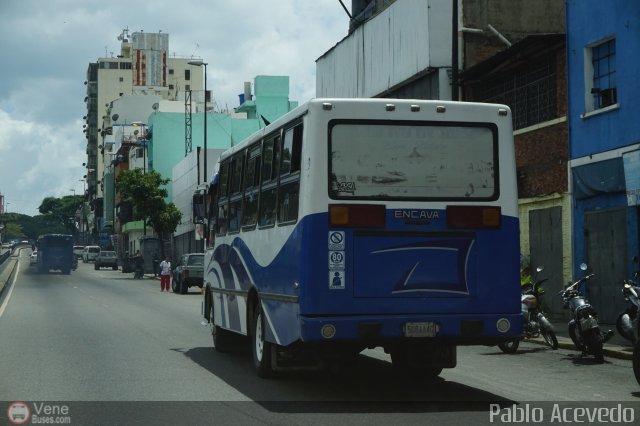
pixel 47 46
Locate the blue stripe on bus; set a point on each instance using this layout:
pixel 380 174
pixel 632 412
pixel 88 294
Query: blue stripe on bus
pixel 476 273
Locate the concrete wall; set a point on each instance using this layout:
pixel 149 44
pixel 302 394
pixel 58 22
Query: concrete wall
pixel 526 205
pixel 513 19
pixel 589 22
pixel 606 133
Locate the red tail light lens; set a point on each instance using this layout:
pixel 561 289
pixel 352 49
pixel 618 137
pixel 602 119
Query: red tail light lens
pixel 473 216
pixel 357 215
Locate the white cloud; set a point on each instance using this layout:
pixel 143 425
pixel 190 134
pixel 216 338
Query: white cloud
pixel 42 146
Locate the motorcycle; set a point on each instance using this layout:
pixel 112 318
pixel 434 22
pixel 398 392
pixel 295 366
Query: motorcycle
pixel 584 329
pixel 628 322
pixel 138 267
pixel 636 361
pixel 138 272
pixel 535 323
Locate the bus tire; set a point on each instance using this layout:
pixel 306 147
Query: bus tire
pixel 221 337
pixel 260 348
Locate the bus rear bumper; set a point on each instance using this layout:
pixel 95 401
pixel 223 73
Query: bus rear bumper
pixel 469 329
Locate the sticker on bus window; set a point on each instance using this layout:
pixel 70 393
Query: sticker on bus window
pixel 348 187
pixel 336 260
pixel 336 280
pixel 336 240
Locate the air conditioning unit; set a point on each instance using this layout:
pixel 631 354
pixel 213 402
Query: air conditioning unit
pixel 608 97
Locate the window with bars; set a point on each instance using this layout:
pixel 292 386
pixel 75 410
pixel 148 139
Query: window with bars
pixel 530 91
pixel 603 64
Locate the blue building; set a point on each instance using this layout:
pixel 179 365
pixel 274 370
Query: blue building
pixel 603 41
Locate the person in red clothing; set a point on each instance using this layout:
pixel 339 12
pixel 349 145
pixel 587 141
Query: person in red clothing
pixel 165 274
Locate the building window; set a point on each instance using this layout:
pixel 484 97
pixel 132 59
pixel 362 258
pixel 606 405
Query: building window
pixel 121 79
pixel 171 87
pixel 187 75
pixel 530 90
pixel 603 57
pixel 170 71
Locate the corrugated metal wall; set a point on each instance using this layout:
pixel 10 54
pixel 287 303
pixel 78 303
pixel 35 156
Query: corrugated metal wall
pixel 404 40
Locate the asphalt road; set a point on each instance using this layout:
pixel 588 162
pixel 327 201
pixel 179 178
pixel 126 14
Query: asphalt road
pixel 98 340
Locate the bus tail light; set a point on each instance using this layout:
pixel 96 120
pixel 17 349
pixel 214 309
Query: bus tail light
pixel 473 216
pixel 357 215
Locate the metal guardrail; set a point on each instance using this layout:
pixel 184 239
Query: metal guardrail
pixel 4 256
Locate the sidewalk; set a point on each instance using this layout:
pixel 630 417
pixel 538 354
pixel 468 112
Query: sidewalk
pixel 616 347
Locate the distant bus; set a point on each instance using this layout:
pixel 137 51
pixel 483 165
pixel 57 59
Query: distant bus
pixel 55 252
pixel 356 223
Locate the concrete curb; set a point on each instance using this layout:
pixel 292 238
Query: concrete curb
pixel 612 351
pixel 8 268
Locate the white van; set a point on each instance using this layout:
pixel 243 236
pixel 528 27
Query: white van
pixel 90 253
pixel 77 251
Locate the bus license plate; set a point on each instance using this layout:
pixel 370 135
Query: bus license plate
pixel 420 329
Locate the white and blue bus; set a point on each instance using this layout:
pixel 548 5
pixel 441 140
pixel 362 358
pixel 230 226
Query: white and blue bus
pixel 358 223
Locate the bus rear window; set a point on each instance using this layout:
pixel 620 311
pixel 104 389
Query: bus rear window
pixel 418 161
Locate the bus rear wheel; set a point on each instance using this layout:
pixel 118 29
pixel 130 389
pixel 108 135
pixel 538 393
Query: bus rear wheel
pixel 260 348
pixel 221 337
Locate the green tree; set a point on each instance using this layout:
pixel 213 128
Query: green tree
pixel 63 211
pixel 146 193
pixel 11 231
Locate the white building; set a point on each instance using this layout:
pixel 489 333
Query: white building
pixel 143 67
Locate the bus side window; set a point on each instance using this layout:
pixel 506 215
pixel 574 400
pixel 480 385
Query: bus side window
pixel 251 188
pixel 269 189
pixel 289 190
pixel 212 213
pixel 235 192
pixel 222 205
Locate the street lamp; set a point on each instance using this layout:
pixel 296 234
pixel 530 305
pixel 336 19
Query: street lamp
pixel 74 200
pixel 84 215
pixel 199 62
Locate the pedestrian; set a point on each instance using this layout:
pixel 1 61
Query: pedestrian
pixel 165 274
pixel 138 262
pixel 156 264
